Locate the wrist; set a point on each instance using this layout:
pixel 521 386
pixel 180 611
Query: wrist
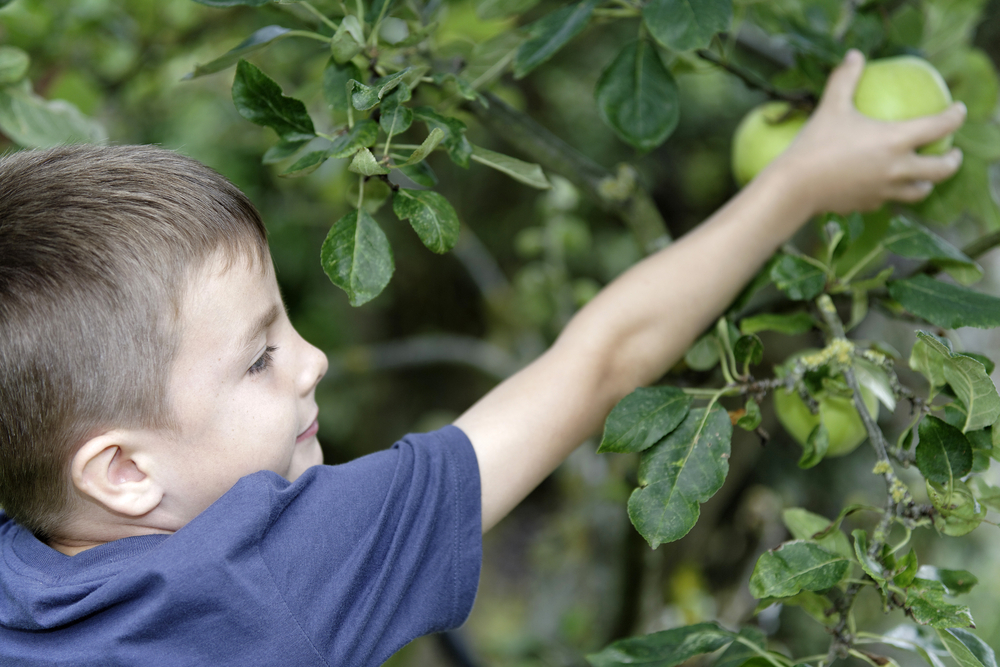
pixel 792 194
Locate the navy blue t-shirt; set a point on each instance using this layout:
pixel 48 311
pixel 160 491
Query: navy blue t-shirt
pixel 342 567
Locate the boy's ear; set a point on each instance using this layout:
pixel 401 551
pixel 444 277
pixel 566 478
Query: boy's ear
pixel 110 470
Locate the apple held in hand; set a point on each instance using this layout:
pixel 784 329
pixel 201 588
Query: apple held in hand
pixel 901 88
pixel 837 414
pixel 763 135
pixel 890 89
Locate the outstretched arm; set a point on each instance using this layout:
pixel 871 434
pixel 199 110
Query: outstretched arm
pixel 643 322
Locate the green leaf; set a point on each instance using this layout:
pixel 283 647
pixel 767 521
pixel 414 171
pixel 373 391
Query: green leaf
pixel 550 33
pixel 738 653
pixel 920 640
pixel 966 377
pixel 873 377
pixel 955 582
pixel 958 511
pixel 367 97
pixel 362 135
pixel 33 122
pixel 524 172
pixel 348 40
pixel 431 216
pixel 872 567
pixel 800 565
pixel 283 150
pixel 425 149
pixel 926 603
pixel 797 278
pixel 751 418
pixel 255 42
pixel 988 495
pixel 815 447
pixel 364 163
pixel 664 649
pixel 335 78
pixel 905 569
pixel 987 363
pixel 357 257
pixel 14 64
pixel 704 354
pixel 643 418
pixel 306 164
pixel 459 148
pixel 816 605
pixel 681 471
pixel 967 649
pixel 968 191
pixel 682 25
pixel 637 96
pixel 943 452
pixel 929 355
pixel 789 323
pixel 394 118
pixel 908 239
pixel 259 99
pixel 748 349
pixel 420 172
pixel 804 525
pixel 944 305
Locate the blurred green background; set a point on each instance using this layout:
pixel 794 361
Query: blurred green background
pixel 565 573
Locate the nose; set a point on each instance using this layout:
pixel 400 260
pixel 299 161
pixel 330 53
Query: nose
pixel 314 366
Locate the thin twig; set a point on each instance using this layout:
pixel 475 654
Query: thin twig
pixel 798 99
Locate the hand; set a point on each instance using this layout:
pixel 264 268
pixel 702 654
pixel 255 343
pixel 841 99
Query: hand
pixel 844 161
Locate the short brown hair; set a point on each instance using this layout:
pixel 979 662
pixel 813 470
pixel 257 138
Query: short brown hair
pixel 96 247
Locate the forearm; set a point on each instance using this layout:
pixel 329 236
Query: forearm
pixel 642 323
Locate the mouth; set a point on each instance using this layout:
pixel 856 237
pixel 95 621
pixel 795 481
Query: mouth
pixel 312 430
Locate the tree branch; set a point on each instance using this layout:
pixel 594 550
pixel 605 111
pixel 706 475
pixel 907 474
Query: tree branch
pixel 896 493
pixel 424 351
pixel 621 194
pixel 801 100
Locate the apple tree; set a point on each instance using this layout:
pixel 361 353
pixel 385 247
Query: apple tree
pixel 386 99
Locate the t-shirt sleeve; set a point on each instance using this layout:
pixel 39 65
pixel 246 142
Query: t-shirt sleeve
pixel 371 554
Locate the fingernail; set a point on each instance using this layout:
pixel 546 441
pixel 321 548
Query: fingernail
pixel 962 107
pixel 852 56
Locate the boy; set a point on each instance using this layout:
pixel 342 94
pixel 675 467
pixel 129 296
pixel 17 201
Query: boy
pixel 158 454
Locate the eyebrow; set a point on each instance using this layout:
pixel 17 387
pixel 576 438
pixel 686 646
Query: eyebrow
pixel 260 325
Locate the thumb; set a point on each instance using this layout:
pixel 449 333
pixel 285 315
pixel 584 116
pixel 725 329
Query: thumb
pixel 842 82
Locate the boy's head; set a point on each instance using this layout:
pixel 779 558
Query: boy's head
pixel 99 251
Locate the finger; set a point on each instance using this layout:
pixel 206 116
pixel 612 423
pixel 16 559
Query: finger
pixel 928 129
pixel 843 80
pixel 911 192
pixel 934 168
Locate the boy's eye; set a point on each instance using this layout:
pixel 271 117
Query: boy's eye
pixel 263 361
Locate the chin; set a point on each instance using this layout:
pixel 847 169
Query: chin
pixel 308 454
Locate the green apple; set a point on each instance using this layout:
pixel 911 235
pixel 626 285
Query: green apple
pixel 763 134
pixel 837 414
pixel 901 88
